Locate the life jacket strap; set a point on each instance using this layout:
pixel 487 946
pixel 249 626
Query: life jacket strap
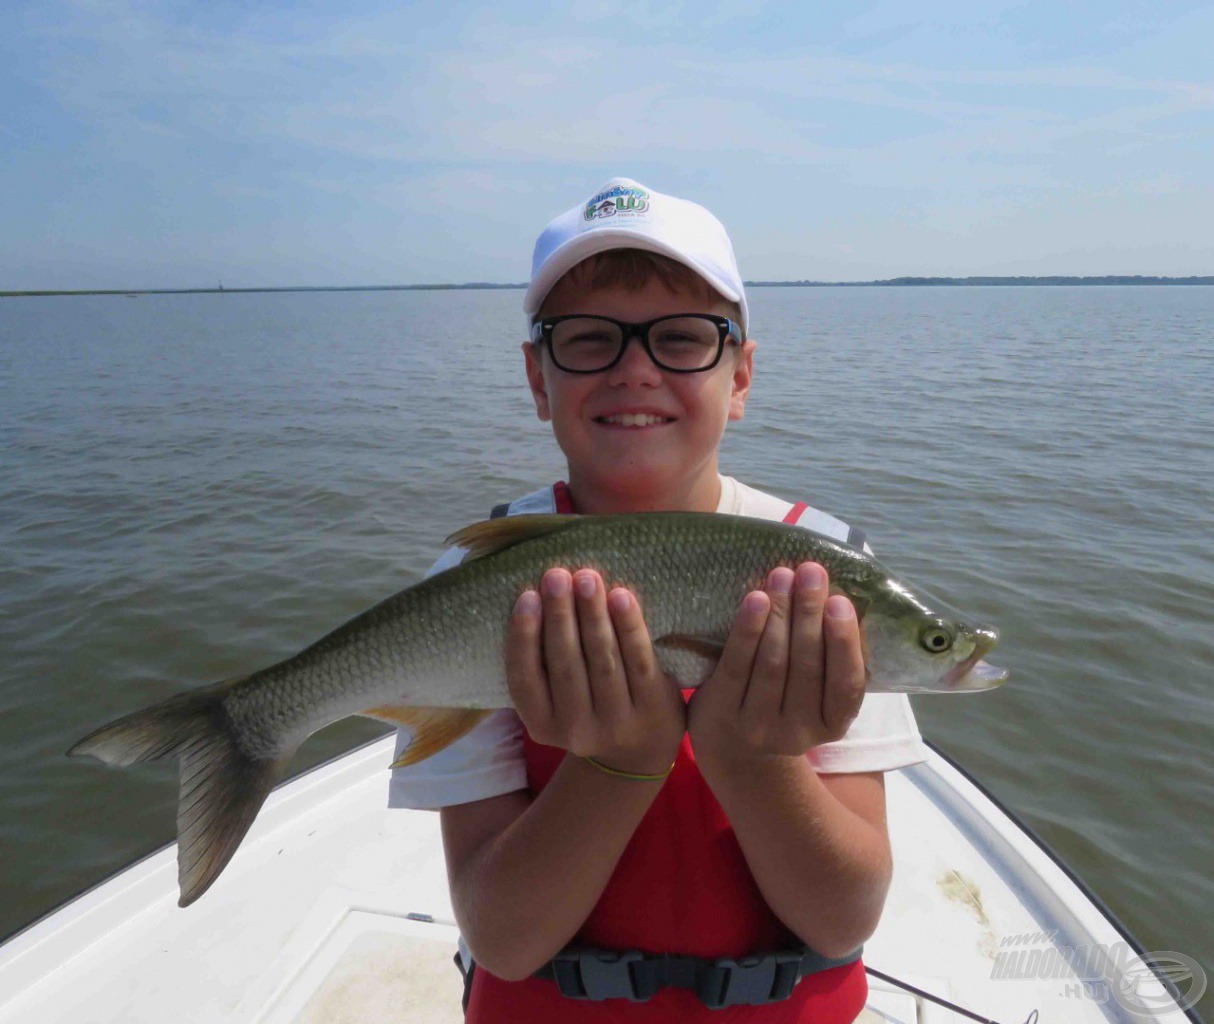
pixel 597 974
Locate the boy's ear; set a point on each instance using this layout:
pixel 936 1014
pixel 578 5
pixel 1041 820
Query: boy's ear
pixel 534 355
pixel 743 371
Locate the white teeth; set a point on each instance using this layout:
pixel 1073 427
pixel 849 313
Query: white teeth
pixel 635 419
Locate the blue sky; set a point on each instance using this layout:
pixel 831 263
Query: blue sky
pixel 177 144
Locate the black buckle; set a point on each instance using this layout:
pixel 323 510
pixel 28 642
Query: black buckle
pixel 597 974
pixel 749 981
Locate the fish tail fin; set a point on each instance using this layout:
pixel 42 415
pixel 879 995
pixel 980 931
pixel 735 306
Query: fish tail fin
pixel 222 787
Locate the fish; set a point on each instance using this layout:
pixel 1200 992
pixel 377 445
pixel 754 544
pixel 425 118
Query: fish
pixel 430 658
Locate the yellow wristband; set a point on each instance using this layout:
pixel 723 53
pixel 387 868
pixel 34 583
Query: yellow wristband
pixel 635 777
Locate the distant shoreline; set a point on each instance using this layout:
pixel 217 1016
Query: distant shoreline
pixel 893 282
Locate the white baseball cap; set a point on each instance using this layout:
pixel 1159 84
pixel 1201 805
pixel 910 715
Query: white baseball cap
pixel 624 214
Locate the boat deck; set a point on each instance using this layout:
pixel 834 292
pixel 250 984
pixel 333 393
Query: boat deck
pixel 335 909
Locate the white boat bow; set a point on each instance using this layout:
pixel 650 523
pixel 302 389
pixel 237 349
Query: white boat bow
pixel 336 909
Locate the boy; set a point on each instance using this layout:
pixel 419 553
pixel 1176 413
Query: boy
pixel 747 818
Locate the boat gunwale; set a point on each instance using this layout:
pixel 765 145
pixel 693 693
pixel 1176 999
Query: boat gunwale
pixel 159 851
pixel 1084 888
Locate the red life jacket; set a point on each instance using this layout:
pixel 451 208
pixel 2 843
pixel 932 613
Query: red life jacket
pixel 681 886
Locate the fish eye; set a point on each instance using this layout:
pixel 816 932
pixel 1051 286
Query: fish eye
pixel 936 639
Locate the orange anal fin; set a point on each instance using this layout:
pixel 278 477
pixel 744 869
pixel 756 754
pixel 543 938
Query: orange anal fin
pixel 432 728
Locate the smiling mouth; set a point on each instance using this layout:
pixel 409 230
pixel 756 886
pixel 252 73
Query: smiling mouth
pixel 633 419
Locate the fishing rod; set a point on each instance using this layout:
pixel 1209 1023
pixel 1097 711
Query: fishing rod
pixel 1031 1019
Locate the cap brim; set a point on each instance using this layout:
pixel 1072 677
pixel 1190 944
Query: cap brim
pixel 569 255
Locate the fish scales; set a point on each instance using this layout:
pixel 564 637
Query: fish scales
pixel 439 643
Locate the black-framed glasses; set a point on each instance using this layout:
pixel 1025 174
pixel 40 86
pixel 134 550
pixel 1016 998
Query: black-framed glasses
pixel 681 343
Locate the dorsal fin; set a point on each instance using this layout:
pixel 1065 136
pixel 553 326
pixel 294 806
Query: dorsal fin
pixel 492 535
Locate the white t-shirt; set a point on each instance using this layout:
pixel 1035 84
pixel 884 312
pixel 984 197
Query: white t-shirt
pixel 489 761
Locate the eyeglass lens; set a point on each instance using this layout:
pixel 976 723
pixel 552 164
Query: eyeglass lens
pixel 676 343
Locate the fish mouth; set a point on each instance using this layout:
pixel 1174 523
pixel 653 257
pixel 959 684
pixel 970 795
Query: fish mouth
pixel 974 674
pixel 980 675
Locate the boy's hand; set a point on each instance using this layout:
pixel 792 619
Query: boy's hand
pixel 791 675
pixel 583 675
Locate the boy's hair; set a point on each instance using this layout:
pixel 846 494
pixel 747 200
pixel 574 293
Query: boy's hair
pixel 632 269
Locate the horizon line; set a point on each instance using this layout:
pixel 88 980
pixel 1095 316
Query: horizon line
pixel 894 282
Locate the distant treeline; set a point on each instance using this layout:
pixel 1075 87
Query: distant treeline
pixel 473 285
pixel 893 282
pixel 955 281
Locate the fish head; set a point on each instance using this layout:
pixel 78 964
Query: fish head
pixel 915 644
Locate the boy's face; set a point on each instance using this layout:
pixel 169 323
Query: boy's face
pixel 658 463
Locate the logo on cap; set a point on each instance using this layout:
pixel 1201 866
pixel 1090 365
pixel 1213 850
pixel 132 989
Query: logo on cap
pixel 617 201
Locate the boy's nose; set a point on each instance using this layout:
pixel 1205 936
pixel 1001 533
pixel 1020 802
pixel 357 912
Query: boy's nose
pixel 634 366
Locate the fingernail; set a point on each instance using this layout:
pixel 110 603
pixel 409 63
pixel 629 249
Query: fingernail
pixel 839 607
pixel 756 602
pixel 528 603
pixel 556 584
pixel 620 600
pixel 810 576
pixel 585 584
pixel 779 581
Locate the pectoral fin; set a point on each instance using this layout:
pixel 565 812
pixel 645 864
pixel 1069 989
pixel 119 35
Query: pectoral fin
pixel 433 729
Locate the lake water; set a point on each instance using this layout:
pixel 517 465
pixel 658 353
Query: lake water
pixel 194 486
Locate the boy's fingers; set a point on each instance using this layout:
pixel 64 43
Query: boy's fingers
pixel 738 657
pixel 803 697
pixel 843 688
pixel 525 675
pixel 604 664
pixel 635 646
pixel 769 673
pixel 563 659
